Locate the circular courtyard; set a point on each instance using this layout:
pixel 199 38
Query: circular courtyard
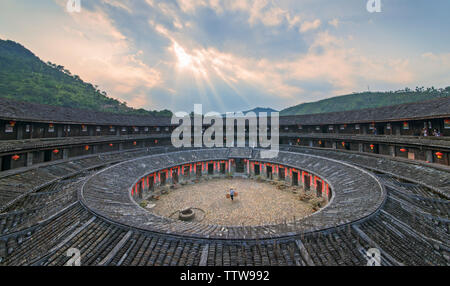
pixel 257 202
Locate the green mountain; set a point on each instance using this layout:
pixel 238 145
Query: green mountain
pixel 24 77
pixel 366 100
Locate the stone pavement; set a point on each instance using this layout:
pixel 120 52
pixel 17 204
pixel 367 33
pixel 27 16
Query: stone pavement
pixel 257 203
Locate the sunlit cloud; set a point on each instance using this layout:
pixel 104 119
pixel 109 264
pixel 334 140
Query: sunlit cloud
pixel 227 54
pixel 308 26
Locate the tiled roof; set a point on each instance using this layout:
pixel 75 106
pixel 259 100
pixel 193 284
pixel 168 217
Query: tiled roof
pixel 24 111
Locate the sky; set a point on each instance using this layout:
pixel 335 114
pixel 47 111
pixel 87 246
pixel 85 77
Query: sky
pixel 236 55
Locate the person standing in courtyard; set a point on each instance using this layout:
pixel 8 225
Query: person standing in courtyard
pixel 232 193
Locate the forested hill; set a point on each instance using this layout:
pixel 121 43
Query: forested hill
pixel 367 100
pixel 24 77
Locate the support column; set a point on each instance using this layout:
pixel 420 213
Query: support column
pixel 311 143
pixel 392 150
pixel 288 176
pixel 65 154
pixel 29 159
pixel 95 149
pixel 252 169
pixel 169 178
pixel 19 132
pixel 192 171
pixel 120 146
pixel 429 156
pixel 324 193
pixel 360 147
pixel 205 168
pixel 157 180
pixel 300 178
pixel 263 171
pixel 334 145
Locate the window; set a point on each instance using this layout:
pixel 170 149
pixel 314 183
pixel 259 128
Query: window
pixel 158 129
pixel 330 127
pixel 136 129
pixel 342 127
pixel 405 125
pixel 146 129
pixel 51 128
pixel 98 129
pixel 124 129
pixel 112 129
pixel 317 128
pixel 300 127
pixel 447 123
pixel 286 128
pixel 9 128
pixel 388 126
pixel 357 127
pixel 27 128
pixel 83 128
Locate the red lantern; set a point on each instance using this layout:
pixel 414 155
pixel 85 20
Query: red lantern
pixel 86 147
pixel 134 143
pixel 403 150
pixel 15 157
pixel 156 141
pixel 439 155
pixel 298 140
pixel 372 146
pixel 343 144
pixel 12 123
pixel 110 145
pixel 56 151
pixel 320 142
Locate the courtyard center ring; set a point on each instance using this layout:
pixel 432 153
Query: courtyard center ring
pixel 356 194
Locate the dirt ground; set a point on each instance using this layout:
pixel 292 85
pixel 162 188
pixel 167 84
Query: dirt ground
pixel 257 203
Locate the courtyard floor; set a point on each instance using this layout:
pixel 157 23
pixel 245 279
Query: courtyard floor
pixel 257 203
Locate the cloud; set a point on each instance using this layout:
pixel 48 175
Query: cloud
pixel 98 52
pixel 334 22
pixel 225 54
pixel 119 4
pixel 308 26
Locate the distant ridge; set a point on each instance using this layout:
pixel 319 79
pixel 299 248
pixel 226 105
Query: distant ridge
pixel 365 100
pixel 25 77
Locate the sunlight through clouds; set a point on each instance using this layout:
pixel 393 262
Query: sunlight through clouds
pixel 230 54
